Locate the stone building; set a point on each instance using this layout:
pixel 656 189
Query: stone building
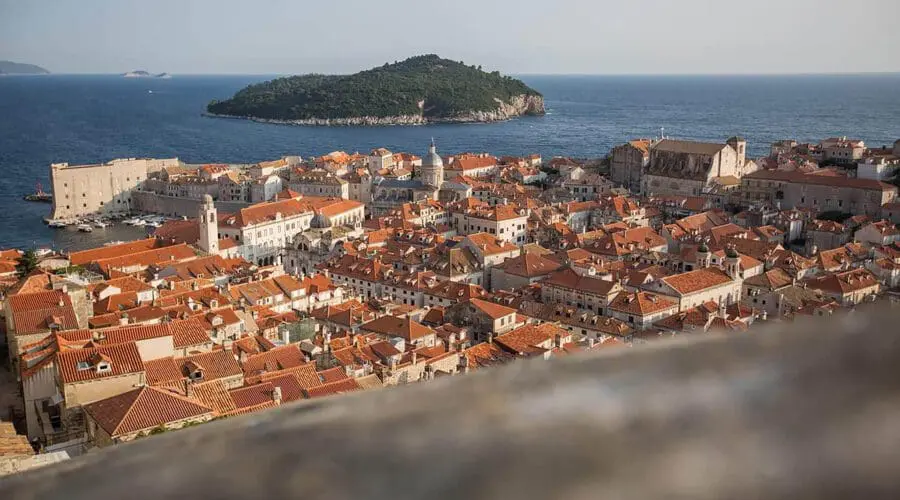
pixel 581 291
pixel 80 190
pixel 265 188
pixel 816 191
pixel 842 150
pixel 319 183
pixel 506 222
pixel 627 163
pixel 388 194
pixel 687 168
pixel 696 287
pixel 263 230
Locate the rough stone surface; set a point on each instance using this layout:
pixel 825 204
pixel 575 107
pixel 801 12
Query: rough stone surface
pixel 811 410
pixel 517 106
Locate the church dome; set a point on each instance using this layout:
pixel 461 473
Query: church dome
pixel 432 159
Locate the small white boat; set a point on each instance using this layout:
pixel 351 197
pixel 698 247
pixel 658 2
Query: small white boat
pixel 112 243
pixel 100 224
pixel 43 252
pixel 85 228
pixel 56 224
pixel 154 224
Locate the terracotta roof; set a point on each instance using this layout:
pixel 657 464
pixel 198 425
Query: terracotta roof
pixel 123 359
pixel 279 358
pixel 772 279
pixel 527 339
pixel 641 303
pixel 162 371
pixel 529 264
pixel 254 395
pixel 114 303
pixel 124 284
pixel 488 244
pixel 643 145
pixel 87 256
pixel 37 312
pixel 333 388
pixel 845 282
pixel 214 364
pixel 493 310
pixel 695 317
pixel 146 258
pixel 471 162
pixel 485 355
pixel 569 279
pixel 332 375
pixel 291 390
pixel 264 212
pixel 142 409
pixel 339 207
pixel 184 333
pixel 215 395
pixel 305 374
pixel 697 280
pixel 398 327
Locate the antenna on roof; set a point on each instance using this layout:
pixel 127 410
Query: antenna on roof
pixel 662 133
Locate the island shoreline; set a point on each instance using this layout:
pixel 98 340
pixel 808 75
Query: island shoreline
pixel 365 121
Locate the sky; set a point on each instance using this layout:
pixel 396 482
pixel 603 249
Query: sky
pixel 512 36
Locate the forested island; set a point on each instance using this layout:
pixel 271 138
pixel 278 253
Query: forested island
pixel 422 89
pixel 14 68
pixel 144 74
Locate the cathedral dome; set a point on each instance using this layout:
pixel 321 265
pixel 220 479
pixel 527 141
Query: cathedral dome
pixel 432 159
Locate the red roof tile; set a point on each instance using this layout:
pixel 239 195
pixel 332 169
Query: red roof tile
pixel 78 365
pixel 142 409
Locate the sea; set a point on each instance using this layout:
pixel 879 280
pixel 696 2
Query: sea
pixel 83 119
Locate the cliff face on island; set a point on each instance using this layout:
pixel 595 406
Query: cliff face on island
pixel 521 105
pixel 420 90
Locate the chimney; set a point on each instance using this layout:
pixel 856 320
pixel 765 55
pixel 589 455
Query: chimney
pixel 415 357
pixel 490 338
pixel 276 395
pixel 61 302
pixel 558 341
pixel 189 387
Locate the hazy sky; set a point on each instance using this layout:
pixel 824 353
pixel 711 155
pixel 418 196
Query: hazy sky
pixel 513 36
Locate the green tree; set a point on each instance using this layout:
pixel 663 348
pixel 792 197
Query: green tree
pixel 27 262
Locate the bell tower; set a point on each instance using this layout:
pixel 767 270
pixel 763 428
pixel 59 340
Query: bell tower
pixel 209 226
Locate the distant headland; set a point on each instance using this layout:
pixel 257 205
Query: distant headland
pixel 144 74
pixel 14 68
pixel 422 89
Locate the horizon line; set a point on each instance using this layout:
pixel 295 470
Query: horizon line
pixel 725 74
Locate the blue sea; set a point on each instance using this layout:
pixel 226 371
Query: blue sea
pixel 95 118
